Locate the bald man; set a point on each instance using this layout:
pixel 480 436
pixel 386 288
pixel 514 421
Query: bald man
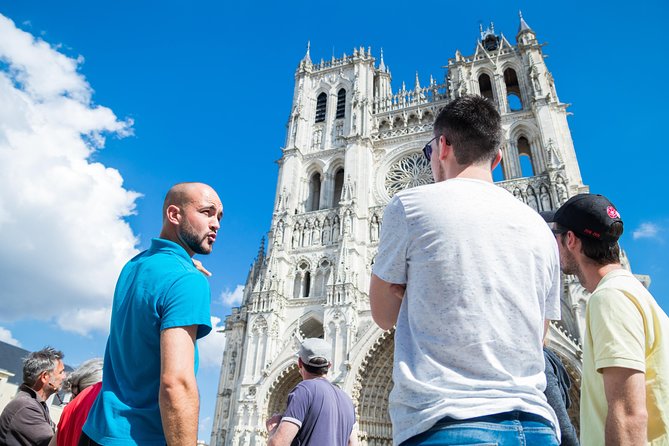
pixel 161 307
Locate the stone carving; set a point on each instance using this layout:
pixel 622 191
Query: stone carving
pixel 545 198
pixel 410 171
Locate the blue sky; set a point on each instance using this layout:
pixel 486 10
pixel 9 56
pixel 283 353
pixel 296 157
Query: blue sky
pixel 174 91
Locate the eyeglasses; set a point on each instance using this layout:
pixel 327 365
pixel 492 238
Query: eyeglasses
pixel 427 150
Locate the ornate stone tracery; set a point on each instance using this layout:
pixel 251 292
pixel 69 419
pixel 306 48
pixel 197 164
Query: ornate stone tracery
pixel 409 171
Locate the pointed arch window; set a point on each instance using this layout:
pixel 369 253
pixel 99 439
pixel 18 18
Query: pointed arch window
pixel 341 104
pixel 321 104
pixel 525 157
pixel 314 199
pixel 485 86
pixel 302 284
pixel 513 97
pixel 338 186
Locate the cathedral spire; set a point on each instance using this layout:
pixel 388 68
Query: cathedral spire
pixel 523 24
pixel 307 56
pixel 417 85
pixel 382 66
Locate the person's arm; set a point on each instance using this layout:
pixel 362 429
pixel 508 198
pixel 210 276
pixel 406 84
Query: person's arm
pixel 29 422
pixel 178 396
pixel 283 435
pixel 353 439
pixel 627 417
pixel 385 300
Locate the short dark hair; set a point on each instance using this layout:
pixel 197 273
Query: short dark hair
pixel 600 251
pixel 320 370
pixel 38 362
pixel 473 127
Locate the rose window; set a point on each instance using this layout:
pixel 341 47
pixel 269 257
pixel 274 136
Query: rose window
pixel 410 171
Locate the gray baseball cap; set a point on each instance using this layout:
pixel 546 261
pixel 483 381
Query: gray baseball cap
pixel 314 348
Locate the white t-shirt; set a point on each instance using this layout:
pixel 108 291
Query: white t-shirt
pixel 482 273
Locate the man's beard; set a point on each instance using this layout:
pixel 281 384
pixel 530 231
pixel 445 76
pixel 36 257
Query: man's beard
pixel 193 240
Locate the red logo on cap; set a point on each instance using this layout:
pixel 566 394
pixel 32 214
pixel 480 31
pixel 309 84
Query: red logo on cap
pixel 611 211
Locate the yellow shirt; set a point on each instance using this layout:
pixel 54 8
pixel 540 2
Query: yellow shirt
pixel 625 327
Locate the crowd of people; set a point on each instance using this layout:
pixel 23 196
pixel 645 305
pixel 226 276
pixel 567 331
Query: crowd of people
pixel 467 275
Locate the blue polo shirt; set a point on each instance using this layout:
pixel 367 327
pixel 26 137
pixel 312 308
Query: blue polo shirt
pixel 158 289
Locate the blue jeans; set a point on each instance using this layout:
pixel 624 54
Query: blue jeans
pixel 504 429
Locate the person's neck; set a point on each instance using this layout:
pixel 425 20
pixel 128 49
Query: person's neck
pixel 42 393
pixel 473 172
pixel 172 236
pixel 593 273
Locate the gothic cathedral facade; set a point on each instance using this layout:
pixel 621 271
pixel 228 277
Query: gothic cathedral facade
pixel 351 144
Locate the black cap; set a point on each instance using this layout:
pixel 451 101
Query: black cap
pixel 588 215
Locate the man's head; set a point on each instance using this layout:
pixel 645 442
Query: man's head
pixel 315 356
pixel 191 217
pixel 471 126
pixel 44 371
pixel 594 223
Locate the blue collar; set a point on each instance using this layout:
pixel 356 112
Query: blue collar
pixel 161 244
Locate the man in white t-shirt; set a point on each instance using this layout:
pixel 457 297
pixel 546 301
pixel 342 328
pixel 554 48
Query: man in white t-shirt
pixel 469 276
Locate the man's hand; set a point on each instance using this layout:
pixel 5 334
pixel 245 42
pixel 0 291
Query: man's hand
pixel 201 268
pixel 627 417
pixel 178 398
pixel 272 422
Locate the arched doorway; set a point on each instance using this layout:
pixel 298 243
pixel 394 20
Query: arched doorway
pixel 375 380
pixel 282 386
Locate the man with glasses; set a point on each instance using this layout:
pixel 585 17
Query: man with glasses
pixel 625 385
pixel 469 275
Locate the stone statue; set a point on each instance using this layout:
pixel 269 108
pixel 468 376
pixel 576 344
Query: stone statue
pixel 296 236
pixel 326 232
pixel 374 229
pixel 532 199
pixel 561 190
pixel 315 234
pixel 335 230
pixel 279 233
pixel 545 199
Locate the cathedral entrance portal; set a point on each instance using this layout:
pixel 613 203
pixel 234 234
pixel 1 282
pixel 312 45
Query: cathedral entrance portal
pixel 278 393
pixel 375 381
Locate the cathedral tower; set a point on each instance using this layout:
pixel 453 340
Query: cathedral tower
pixel 352 143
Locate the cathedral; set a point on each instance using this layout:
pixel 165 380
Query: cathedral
pixel 352 142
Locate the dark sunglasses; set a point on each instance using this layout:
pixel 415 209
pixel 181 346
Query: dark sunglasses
pixel 427 150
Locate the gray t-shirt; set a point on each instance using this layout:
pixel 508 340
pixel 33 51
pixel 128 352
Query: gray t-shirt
pixel 482 273
pixel 322 411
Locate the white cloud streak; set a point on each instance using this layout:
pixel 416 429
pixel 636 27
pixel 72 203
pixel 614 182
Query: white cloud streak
pixel 233 298
pixel 62 229
pixel 211 347
pixel 6 336
pixel 646 230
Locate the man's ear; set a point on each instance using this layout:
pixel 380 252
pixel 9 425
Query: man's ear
pixel 443 149
pixel 173 214
pixel 573 242
pixel 497 160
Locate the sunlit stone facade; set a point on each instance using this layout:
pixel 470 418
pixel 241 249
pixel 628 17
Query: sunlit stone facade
pixel 352 142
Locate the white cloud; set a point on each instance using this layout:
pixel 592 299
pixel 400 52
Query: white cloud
pixel 6 336
pixel 211 347
pixel 62 229
pixel 204 429
pixel 233 298
pixel 646 230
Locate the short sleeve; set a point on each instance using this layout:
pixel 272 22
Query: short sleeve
pixel 617 331
pixel 298 405
pixel 391 260
pixel 187 302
